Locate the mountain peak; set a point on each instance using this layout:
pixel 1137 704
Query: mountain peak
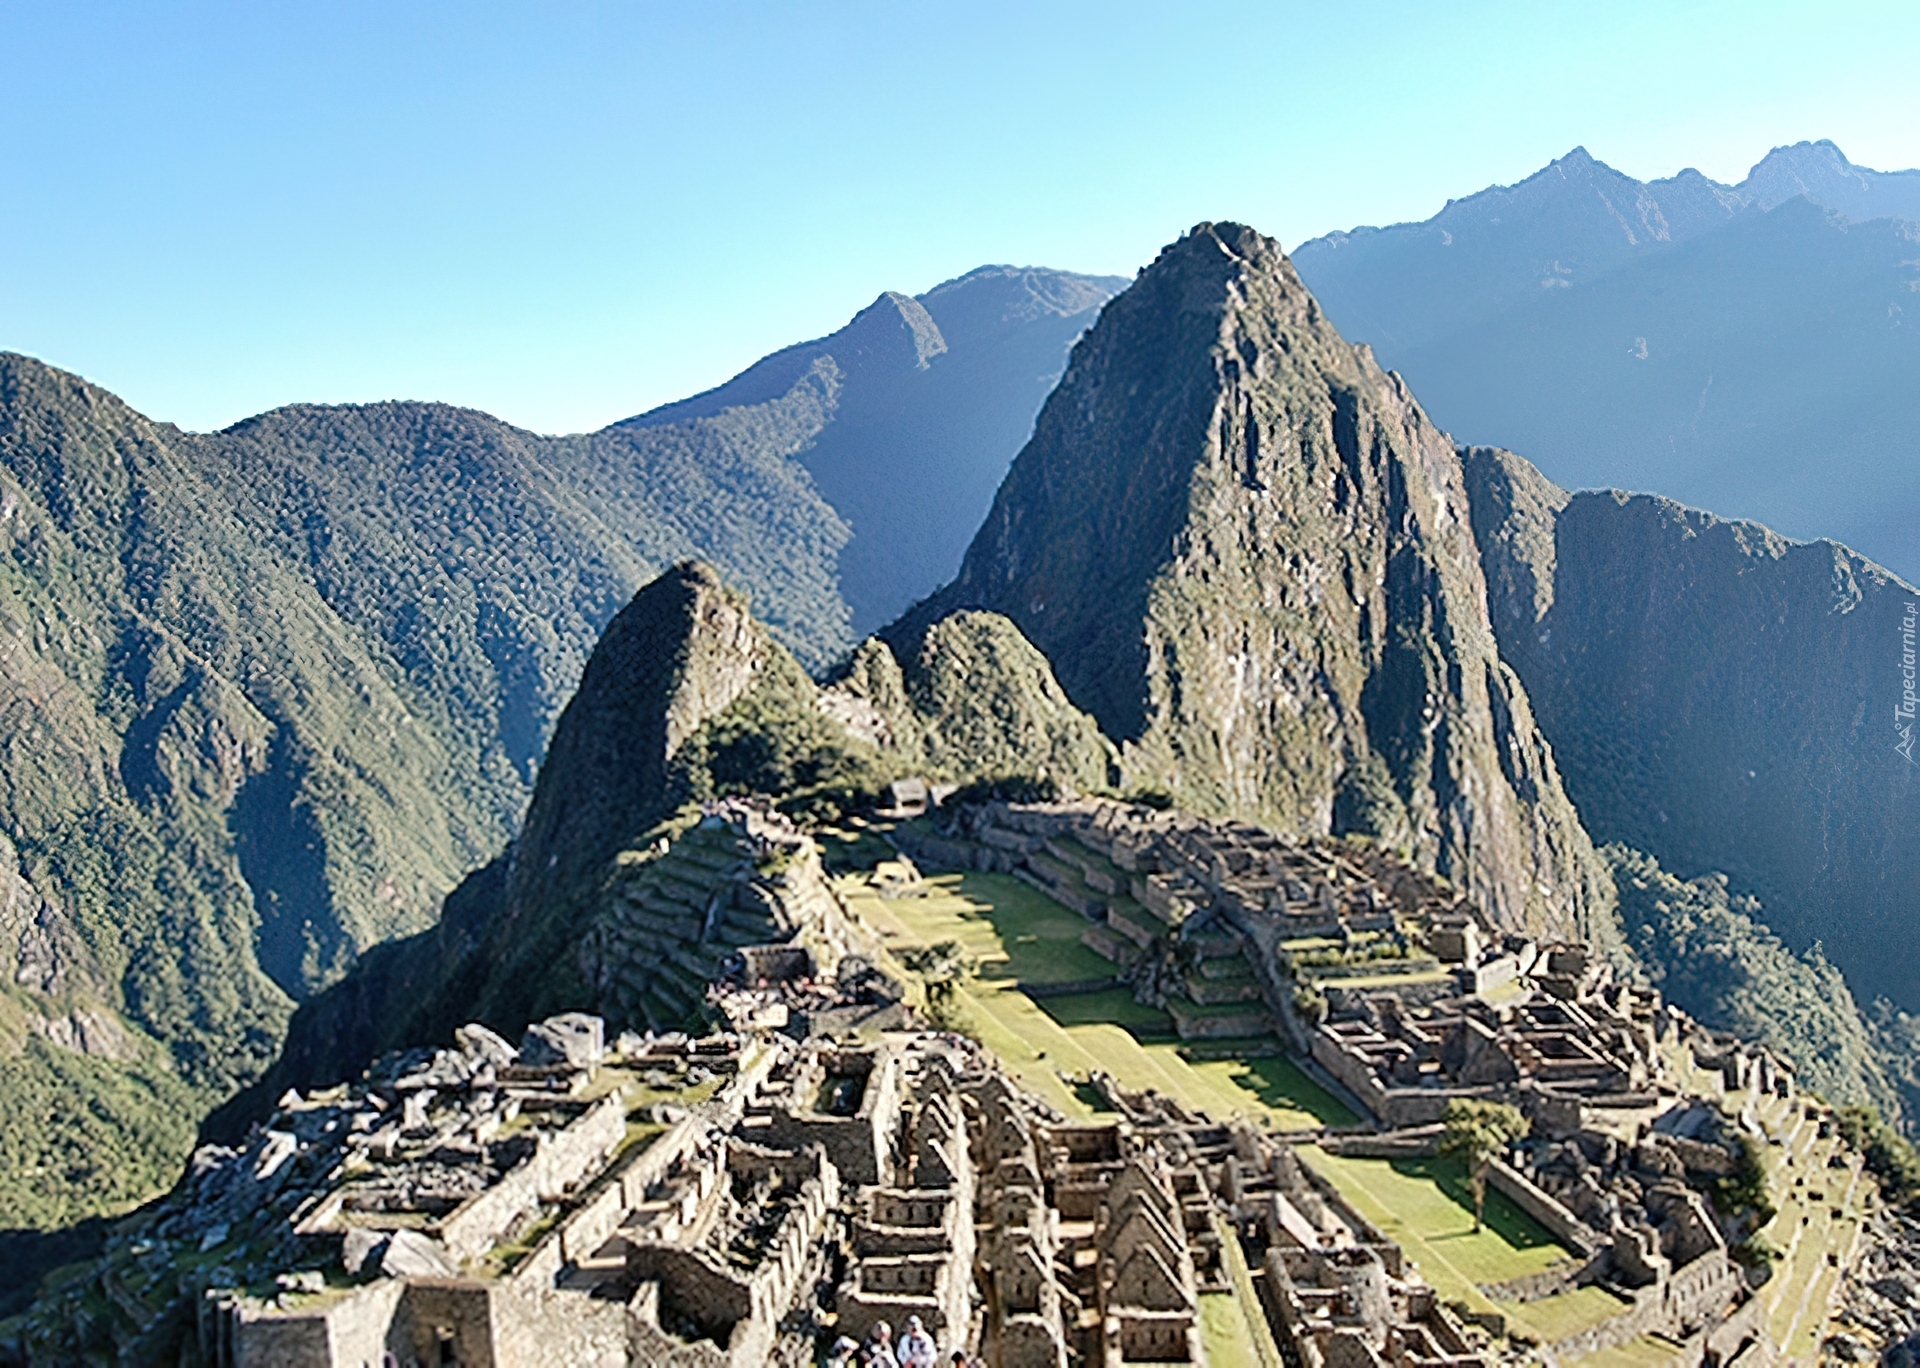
pixel 683 649
pixel 1226 534
pixel 1821 171
pixel 893 328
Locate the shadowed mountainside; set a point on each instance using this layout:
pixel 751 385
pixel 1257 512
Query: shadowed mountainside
pixel 936 395
pixel 1721 698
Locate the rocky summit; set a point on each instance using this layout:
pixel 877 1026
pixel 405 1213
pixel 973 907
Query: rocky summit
pixel 1248 555
pixel 688 698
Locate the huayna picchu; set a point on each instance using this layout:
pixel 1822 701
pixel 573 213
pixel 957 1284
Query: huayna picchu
pixel 1169 943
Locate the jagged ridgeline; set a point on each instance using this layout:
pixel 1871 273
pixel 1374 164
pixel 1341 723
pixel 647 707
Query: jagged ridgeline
pixel 610 898
pixel 1248 555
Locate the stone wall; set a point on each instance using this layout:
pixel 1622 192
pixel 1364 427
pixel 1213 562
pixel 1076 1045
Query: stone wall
pixel 558 1165
pixel 1562 1224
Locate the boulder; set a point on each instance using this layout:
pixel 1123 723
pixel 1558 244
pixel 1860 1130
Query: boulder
pixel 483 1046
pixel 410 1254
pixel 571 1040
pixel 361 1247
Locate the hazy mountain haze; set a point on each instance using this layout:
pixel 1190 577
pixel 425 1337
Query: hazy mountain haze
pixel 1749 348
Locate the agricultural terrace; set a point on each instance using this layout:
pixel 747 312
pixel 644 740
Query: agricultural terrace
pixel 1021 940
pixel 1427 1207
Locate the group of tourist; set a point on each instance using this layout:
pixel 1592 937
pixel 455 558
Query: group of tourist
pixel 915 1350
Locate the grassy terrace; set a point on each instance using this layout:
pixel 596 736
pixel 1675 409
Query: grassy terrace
pixel 1019 936
pixel 1425 1205
pixel 1225 1332
pixel 1647 1351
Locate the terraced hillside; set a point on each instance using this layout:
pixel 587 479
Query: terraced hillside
pixel 1045 1004
pixel 671 922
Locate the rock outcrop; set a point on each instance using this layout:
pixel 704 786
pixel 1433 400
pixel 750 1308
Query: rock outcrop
pixel 1247 554
pixel 975 699
pixel 613 895
pixel 684 649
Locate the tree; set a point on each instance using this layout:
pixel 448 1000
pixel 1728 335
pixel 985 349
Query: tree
pixel 1478 1133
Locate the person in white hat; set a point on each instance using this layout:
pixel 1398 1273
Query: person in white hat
pixel 916 1346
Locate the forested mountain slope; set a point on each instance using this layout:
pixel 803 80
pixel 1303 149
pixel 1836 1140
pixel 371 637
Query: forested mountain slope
pixel 271 692
pixel 936 395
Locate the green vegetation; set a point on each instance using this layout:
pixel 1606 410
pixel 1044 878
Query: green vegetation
pixel 1111 1005
pixel 1890 1156
pixel 1225 1331
pixel 1007 928
pixel 774 740
pixel 976 703
pixel 1051 1043
pixel 1707 950
pixel 1427 1205
pixel 1554 1318
pixel 1744 1192
pixel 1477 1133
pixel 80 1136
pixel 271 692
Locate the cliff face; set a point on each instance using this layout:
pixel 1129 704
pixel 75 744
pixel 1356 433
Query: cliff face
pixel 684 649
pixel 1722 698
pixel 1246 553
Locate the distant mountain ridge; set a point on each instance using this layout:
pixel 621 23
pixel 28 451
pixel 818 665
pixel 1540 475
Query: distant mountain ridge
pixel 936 394
pixel 1400 287
pixel 1753 349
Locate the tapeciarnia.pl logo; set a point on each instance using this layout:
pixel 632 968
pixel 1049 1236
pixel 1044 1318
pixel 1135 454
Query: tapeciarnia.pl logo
pixel 1903 710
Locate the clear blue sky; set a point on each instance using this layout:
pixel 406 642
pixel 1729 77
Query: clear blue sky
pixel 565 214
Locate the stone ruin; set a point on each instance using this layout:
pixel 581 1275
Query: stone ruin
pixel 748 1197
pixel 822 1188
pixel 1404 998
pixel 1203 919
